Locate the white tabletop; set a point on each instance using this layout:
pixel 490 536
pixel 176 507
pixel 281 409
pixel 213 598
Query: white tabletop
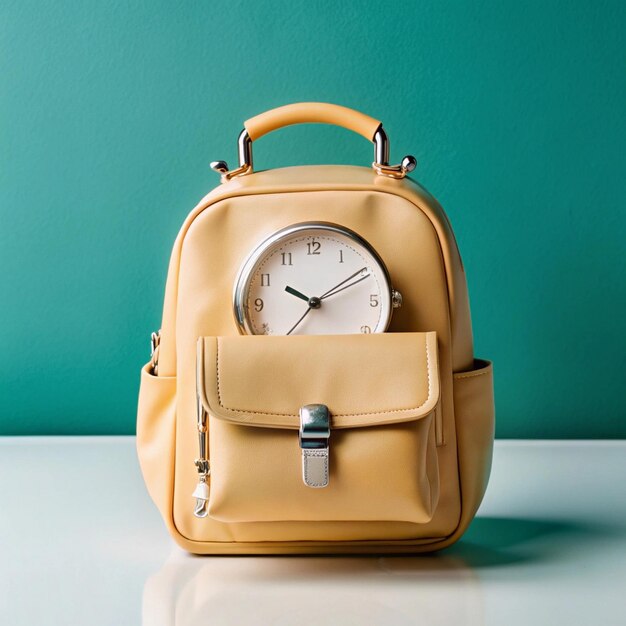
pixel 81 543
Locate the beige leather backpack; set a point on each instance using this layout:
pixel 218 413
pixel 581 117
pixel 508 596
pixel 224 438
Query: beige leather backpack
pixel 313 388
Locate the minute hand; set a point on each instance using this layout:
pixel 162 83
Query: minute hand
pixel 339 287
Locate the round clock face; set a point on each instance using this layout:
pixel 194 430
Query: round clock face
pixel 312 279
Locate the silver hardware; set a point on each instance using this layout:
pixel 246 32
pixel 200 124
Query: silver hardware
pixel 201 492
pixel 245 159
pixel 246 272
pixel 244 148
pixel 155 342
pixel 381 146
pixel 314 436
pixel 221 167
pixel 396 299
pixel 381 159
pixel 396 171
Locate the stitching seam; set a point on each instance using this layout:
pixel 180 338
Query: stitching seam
pixel 247 412
pixel 471 374
pixel 315 454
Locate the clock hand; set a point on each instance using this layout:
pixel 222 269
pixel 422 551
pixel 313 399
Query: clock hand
pixel 298 322
pixel 314 303
pixel 295 292
pixel 332 293
pixel 342 282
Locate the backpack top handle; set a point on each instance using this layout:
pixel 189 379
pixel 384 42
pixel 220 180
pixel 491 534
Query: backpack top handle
pixel 315 113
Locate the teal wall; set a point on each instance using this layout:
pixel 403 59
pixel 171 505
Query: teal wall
pixel 111 111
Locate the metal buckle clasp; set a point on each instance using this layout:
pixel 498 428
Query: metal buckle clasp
pixel 314 437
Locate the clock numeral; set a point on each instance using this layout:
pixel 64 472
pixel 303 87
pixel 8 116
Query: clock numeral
pixel 313 247
pixel 286 258
pixel 374 300
pixel 265 280
pixel 366 329
pixel 340 256
pixel 258 305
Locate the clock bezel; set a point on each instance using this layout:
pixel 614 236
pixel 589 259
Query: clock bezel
pixel 245 273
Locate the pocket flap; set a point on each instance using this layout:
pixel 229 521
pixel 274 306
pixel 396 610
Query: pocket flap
pixel 364 379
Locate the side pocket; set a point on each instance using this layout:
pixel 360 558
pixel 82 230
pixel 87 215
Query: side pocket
pixel 156 414
pixel 475 422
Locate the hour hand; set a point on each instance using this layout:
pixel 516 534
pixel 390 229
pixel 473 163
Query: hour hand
pixel 295 292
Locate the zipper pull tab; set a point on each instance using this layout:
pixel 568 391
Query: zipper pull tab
pixel 201 492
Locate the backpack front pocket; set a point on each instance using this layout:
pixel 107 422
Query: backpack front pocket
pixel 321 428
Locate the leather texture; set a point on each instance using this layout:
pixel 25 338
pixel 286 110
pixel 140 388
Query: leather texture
pixel 394 486
pixel 311 113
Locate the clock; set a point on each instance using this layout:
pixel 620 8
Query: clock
pixel 314 278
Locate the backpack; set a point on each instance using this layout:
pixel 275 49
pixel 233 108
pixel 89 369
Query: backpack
pixel 313 387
